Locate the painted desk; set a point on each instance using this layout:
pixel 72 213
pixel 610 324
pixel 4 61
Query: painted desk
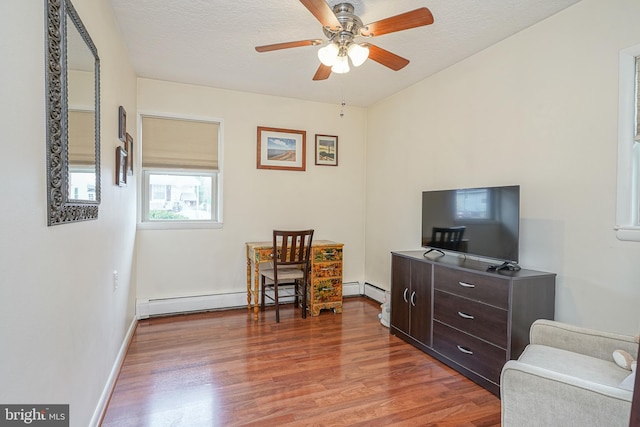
pixel 325 280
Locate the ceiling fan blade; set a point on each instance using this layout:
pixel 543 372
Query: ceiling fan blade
pixel 386 58
pixel 323 72
pixel 287 45
pixel 323 13
pixel 404 21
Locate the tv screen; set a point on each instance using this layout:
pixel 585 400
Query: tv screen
pixel 484 222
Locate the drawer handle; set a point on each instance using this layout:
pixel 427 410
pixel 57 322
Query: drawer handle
pixel 464 350
pixel 404 295
pixel 328 269
pixel 413 298
pixel 465 315
pixel 466 285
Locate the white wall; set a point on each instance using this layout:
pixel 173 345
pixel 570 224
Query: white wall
pixel 61 322
pixel 540 110
pixel 176 263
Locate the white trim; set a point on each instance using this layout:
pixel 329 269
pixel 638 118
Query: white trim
pixel 628 233
pixel 146 308
pixel 374 292
pixel 178 225
pixel 350 289
pixel 627 199
pixel 101 407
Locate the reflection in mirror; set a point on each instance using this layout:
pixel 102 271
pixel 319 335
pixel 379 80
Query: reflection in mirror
pixel 81 107
pixel 73 113
pixel 82 155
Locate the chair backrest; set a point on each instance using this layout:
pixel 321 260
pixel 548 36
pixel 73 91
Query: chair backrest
pixel 447 237
pixel 292 247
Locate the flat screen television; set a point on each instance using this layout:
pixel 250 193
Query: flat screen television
pixel 483 222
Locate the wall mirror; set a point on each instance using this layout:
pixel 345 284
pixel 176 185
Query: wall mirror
pixel 73 117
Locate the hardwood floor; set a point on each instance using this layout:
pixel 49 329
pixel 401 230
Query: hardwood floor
pixel 225 369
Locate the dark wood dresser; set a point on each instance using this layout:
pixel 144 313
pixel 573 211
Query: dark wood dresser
pixel 469 318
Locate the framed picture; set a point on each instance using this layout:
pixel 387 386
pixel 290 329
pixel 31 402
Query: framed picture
pixel 326 150
pixel 122 124
pixel 283 149
pixel 121 167
pixel 129 149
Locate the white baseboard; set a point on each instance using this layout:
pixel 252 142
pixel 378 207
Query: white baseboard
pixel 101 407
pixel 350 289
pixel 374 292
pixel 146 308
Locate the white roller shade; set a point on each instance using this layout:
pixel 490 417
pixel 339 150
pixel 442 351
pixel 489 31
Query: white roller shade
pixel 82 138
pixel 178 143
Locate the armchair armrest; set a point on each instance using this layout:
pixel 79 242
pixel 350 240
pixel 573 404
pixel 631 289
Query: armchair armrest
pixel 534 396
pixel 586 341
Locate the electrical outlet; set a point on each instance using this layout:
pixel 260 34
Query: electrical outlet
pixel 115 279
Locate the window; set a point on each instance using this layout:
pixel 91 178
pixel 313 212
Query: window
pixel 473 204
pixel 628 192
pixel 82 183
pixel 180 173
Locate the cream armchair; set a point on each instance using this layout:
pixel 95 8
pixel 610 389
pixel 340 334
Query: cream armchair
pixel 566 376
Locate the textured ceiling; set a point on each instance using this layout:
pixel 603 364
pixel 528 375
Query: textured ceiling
pixel 211 42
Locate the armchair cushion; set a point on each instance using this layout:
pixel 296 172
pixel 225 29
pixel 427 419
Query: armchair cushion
pixel 575 365
pixel 628 382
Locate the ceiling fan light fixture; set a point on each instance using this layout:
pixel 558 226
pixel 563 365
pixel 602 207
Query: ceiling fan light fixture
pixel 341 27
pixel 358 54
pixel 328 54
pixel 341 65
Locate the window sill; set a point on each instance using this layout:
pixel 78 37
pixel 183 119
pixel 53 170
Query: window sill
pixel 628 233
pixel 178 225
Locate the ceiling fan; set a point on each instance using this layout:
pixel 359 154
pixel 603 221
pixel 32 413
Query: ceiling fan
pixel 342 28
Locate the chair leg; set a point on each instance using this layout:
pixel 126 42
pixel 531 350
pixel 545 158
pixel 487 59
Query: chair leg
pixel 304 298
pixel 275 296
pixel 296 291
pixel 262 295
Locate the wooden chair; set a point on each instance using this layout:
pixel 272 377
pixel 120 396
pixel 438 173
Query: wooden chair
pixel 291 263
pixel 447 237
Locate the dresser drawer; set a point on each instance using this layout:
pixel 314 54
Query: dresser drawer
pixel 484 321
pixel 327 269
pixel 326 290
pixel 326 254
pixel 472 353
pixel 491 290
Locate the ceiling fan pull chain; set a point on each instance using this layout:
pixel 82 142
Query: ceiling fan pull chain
pixel 343 102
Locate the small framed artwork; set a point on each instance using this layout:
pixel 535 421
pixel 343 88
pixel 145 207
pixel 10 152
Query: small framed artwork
pixel 122 124
pixel 283 149
pixel 129 148
pixel 121 167
pixel 326 150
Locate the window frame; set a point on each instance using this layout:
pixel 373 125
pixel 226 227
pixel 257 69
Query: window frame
pixel 216 185
pixel 628 199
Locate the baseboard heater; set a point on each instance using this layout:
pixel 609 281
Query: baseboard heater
pixel 146 308
pixel 374 292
